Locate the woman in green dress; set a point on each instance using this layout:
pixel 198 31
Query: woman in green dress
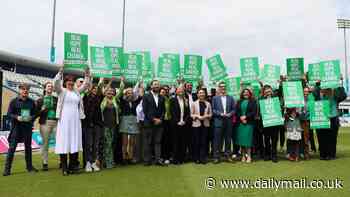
pixel 246 111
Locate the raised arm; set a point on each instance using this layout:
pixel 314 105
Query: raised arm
pixel 100 87
pixel 119 92
pixel 105 87
pixel 136 90
pixel 87 81
pixel 57 81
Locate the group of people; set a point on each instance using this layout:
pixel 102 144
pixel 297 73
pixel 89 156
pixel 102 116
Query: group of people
pixel 162 125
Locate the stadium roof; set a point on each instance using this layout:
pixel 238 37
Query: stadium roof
pixel 25 61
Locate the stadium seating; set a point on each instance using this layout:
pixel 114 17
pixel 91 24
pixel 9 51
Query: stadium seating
pixel 12 79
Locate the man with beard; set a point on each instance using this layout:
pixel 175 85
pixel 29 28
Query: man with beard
pixel 154 110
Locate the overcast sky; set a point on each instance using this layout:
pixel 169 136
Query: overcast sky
pixel 271 29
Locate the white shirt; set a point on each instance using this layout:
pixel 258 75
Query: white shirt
pixel 140 116
pixel 182 110
pixel 156 97
pixel 190 100
pixel 223 101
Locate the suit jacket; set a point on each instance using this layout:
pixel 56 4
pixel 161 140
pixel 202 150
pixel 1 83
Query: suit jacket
pixel 176 112
pixel 196 112
pixel 20 131
pixel 218 109
pixel 250 113
pixel 151 110
pixel 194 96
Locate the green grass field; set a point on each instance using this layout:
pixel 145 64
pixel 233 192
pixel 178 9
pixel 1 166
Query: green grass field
pixel 186 180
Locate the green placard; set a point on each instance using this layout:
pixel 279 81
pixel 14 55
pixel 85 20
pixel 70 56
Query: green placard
pixel 295 69
pixel 168 70
pixel 319 114
pixel 175 61
pixel 314 73
pixel 192 67
pixel 217 69
pixel 131 67
pixel 114 58
pixel 233 86
pixel 270 110
pixel 293 94
pixel 99 67
pixel 249 69
pixel 330 74
pixel 25 113
pixel 146 65
pixel 75 51
pixel 271 75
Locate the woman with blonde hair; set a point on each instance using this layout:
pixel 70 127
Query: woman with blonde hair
pixel 110 116
pixel 128 122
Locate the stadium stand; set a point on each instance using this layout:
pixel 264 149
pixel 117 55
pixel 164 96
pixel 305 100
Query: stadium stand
pixel 12 79
pixel 16 69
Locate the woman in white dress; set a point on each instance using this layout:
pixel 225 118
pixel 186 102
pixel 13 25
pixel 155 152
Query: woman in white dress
pixel 69 113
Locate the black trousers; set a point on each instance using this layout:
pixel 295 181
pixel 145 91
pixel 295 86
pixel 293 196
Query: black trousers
pixel 179 143
pixel 258 142
pixel 293 147
pixel 12 149
pixel 92 143
pixel 167 141
pixel 235 145
pixel 312 140
pixel 84 131
pixel 327 139
pixel 210 140
pixel 200 135
pixel 152 140
pixel 270 141
pixel 117 146
pixel 188 143
pixel 73 161
pixel 282 136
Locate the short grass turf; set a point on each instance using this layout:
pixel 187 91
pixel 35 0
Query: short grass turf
pixel 185 180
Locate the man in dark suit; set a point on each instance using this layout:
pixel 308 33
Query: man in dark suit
pixel 154 109
pixel 223 109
